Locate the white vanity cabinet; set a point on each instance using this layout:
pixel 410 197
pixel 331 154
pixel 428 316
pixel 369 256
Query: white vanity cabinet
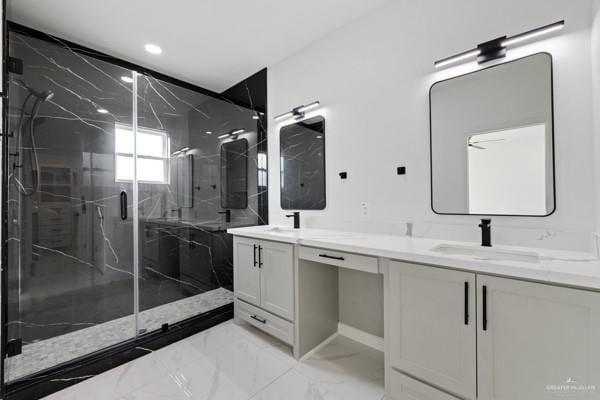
pixel 536 339
pixel 264 275
pixel 433 327
pixel 481 337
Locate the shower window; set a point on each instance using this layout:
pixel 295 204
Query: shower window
pixel 152 155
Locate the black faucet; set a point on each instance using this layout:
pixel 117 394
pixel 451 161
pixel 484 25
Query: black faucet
pixel 296 216
pixel 486 232
pixel 227 215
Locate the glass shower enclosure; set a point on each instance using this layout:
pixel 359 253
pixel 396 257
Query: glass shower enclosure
pixel 120 188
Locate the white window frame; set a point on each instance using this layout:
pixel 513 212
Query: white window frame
pixel 166 151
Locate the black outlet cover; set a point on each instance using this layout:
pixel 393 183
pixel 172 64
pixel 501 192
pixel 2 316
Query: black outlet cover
pixel 343 175
pixel 401 170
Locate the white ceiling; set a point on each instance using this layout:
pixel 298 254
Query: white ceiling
pixel 212 43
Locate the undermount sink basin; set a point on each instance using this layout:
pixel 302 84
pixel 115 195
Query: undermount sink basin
pixel 279 229
pixel 488 253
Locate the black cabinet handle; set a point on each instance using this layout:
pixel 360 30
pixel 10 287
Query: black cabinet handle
pixel 123 205
pixel 260 260
pixel 466 303
pixel 261 320
pixel 485 308
pixel 332 257
pixel 255 255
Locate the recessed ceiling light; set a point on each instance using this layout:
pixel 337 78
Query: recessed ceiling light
pixel 127 79
pixel 208 132
pixel 153 49
pixel 102 111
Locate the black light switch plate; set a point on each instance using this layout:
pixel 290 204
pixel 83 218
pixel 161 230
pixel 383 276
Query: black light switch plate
pixel 401 170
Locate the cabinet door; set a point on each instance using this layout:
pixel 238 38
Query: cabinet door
pixel 432 326
pixel 539 342
pixel 277 278
pixel 246 273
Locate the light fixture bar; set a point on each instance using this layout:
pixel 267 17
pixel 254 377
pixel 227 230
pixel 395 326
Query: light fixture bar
pixel 496 48
pixel 310 106
pixel 234 132
pixel 457 58
pixel 533 33
pixel 284 116
pixel 298 112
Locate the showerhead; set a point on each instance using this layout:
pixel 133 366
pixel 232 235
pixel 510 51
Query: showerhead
pixel 43 96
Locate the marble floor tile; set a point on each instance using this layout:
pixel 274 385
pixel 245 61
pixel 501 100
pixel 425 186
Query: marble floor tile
pixel 295 386
pixel 117 381
pixel 238 362
pixel 347 368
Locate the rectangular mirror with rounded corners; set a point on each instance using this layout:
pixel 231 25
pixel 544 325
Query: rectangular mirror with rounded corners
pixel 302 165
pixel 492 140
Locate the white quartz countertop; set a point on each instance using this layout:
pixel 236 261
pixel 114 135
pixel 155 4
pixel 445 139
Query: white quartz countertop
pixel 568 268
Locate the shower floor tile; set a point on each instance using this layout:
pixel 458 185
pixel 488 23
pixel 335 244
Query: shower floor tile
pixel 238 362
pixel 47 353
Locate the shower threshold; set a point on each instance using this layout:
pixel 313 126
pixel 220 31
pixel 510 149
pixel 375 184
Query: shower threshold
pixel 48 353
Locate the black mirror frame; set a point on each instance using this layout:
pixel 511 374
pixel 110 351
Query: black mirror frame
pixel 320 117
pixel 553 145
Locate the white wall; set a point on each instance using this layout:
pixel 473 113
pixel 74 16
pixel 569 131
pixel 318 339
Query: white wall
pixel 373 78
pixel 595 44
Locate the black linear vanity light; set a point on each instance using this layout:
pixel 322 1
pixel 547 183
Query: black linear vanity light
pixel 298 112
pixel 496 48
pixel 232 133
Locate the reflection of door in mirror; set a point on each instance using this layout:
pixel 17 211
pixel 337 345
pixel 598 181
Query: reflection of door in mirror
pixel 492 140
pixel 302 165
pixel 507 171
pixel 234 174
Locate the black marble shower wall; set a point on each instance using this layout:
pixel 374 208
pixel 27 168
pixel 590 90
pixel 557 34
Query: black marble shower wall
pixel 70 275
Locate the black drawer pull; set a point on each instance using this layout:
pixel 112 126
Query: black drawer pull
pixel 261 320
pixel 260 259
pixel 485 308
pixel 255 262
pixel 466 303
pixel 332 257
pixel 123 205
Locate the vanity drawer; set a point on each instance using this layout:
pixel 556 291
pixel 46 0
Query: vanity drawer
pixel 403 387
pixel 340 259
pixel 263 320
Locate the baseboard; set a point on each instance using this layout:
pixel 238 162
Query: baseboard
pixel 368 339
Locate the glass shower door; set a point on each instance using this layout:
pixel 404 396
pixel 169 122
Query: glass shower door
pixel 70 258
pixel 185 253
pixel 118 209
